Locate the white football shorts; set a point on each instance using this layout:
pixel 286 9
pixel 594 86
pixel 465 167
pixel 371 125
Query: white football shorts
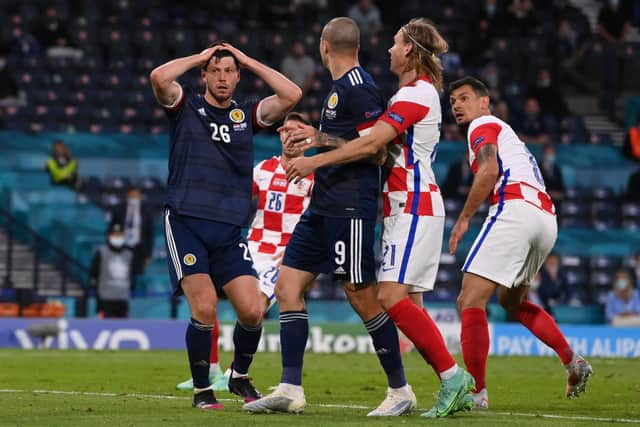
pixel 411 247
pixel 267 270
pixel 514 241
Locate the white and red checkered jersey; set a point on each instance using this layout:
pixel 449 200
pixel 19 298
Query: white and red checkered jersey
pixel 414 111
pixel 520 177
pixel 280 205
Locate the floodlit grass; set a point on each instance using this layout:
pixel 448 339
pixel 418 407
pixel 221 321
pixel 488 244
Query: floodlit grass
pixel 135 388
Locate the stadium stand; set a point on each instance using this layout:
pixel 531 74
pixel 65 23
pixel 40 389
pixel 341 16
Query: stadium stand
pixel 96 97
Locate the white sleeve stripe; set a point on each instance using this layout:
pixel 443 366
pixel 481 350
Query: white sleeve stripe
pixel 173 250
pixel 178 99
pixel 261 122
pixel 351 79
pixel 356 72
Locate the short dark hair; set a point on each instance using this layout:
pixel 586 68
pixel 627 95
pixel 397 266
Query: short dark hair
pixel 342 33
pixel 298 117
pixel 477 86
pixel 221 53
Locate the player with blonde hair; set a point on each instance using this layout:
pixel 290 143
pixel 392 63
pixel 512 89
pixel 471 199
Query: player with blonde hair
pixel 412 204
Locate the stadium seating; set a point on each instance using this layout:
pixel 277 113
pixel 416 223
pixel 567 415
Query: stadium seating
pixel 101 105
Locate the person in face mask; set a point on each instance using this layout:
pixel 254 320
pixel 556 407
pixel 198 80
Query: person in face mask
pixel 61 166
pixel 137 223
pixel 623 301
pixel 549 96
pixel 532 128
pixel 110 275
pixel 551 173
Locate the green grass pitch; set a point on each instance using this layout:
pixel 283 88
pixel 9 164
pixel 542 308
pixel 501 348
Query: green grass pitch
pixel 135 388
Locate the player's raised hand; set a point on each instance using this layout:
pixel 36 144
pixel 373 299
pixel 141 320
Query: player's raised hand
pixel 206 54
pixel 458 231
pixel 300 136
pixel 300 167
pixel 243 58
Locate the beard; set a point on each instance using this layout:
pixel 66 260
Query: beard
pixel 220 99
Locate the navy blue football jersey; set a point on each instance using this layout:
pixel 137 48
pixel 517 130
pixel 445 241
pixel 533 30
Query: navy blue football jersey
pixel 211 159
pixel 351 190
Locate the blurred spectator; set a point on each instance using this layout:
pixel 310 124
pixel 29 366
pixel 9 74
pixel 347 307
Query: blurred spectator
pixel 551 173
pixel 110 275
pixel 490 75
pixel 22 44
pixel 367 16
pixel 8 89
pixel 278 12
pixel 631 147
pixel 613 26
pixel 570 47
pixel 623 301
pixel 548 95
pixel 495 17
pixel 51 29
pixel 138 228
pixel 553 288
pixel 451 132
pixel 459 178
pixel 532 129
pixel 613 20
pixel 501 111
pixel 521 18
pixel 633 187
pixel 299 67
pixel 476 48
pixel 61 166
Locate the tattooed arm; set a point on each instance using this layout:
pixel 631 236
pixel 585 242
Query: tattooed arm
pixel 484 180
pixel 328 141
pixel 483 184
pixel 367 146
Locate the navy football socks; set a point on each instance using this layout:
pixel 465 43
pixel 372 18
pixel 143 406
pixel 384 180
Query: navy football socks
pixel 198 339
pixel 294 331
pixel 245 341
pixel 387 345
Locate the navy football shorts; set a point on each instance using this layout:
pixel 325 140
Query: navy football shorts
pixel 342 246
pixel 197 245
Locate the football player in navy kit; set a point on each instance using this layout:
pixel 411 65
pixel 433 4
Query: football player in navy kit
pixel 209 201
pixel 336 234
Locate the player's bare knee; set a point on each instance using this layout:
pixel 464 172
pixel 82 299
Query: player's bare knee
pixel 251 317
pixel 204 312
pixel 287 294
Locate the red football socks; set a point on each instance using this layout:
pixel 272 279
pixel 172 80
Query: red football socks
pixel 418 326
pixel 474 337
pixel 542 325
pixel 215 334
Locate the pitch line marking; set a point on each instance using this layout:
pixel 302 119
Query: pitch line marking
pixel 322 405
